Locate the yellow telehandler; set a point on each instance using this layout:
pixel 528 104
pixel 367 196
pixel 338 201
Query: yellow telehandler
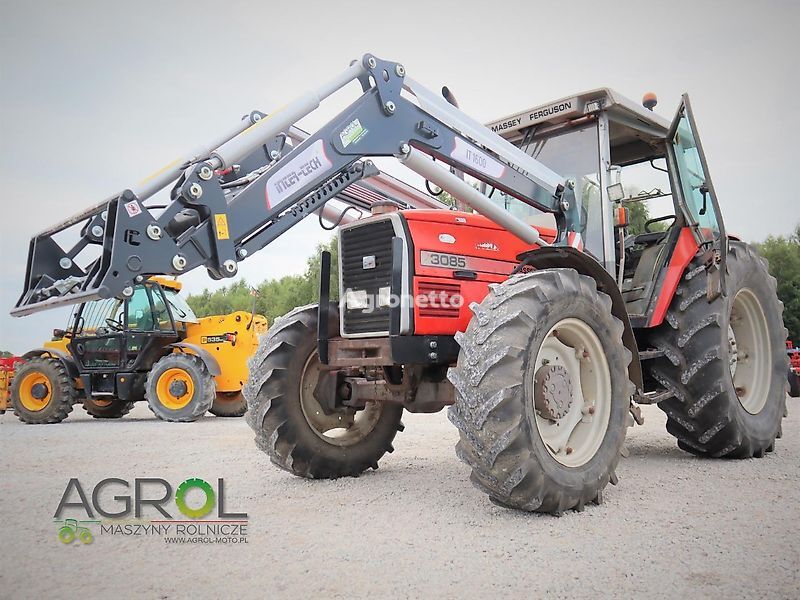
pixel 149 346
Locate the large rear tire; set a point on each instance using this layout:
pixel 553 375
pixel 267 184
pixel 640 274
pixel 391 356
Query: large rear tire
pixel 542 392
pixel 42 391
pixel 179 388
pixel 290 425
pixel 724 361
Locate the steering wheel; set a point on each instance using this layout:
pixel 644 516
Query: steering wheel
pixel 114 325
pixel 657 220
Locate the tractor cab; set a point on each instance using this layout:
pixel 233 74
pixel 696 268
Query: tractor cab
pixel 639 180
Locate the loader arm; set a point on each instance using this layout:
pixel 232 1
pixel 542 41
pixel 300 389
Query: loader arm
pixel 216 221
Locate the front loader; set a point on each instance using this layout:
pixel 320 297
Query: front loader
pixel 534 317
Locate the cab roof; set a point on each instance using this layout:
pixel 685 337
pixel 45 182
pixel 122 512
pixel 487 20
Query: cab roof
pixel 636 133
pixel 166 282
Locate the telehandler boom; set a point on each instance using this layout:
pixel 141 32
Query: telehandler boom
pixel 535 318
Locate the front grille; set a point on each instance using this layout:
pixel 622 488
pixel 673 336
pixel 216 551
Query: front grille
pixel 358 243
pixel 443 300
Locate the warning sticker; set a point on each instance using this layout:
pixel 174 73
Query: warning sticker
pixel 221 224
pixel 352 133
pixel 306 166
pixel 133 208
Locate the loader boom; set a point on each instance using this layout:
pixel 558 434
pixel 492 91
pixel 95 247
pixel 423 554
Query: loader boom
pixel 216 222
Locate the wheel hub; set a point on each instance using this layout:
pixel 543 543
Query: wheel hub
pixel 39 391
pixel 177 389
pixel 553 392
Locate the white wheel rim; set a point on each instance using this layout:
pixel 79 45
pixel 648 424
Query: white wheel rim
pixel 339 429
pixel 574 438
pixel 750 355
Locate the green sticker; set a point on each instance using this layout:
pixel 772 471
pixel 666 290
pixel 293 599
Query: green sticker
pixel 352 133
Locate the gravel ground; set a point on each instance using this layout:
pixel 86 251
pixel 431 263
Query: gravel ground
pixel 675 526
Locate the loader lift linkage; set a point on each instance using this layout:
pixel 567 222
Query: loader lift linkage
pixel 381 122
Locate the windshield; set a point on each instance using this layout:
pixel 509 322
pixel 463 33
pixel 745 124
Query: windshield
pixel 180 309
pixel 573 154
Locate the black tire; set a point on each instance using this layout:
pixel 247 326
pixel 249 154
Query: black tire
pixel 794 384
pixel 704 412
pixel 229 404
pixel 107 409
pixel 276 414
pixel 494 410
pixel 59 384
pixel 202 397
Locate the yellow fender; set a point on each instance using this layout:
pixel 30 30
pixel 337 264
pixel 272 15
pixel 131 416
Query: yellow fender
pixel 231 340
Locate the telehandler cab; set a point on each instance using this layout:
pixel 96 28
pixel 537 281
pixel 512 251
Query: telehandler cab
pixel 535 318
pixel 150 346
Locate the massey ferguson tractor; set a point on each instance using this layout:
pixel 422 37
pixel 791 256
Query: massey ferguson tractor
pixel 531 314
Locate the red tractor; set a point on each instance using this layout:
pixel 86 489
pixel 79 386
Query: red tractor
pixel 794 369
pixel 541 319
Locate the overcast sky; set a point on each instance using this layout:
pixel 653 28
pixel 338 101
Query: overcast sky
pixel 95 95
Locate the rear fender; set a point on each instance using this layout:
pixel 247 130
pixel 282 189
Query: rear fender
pixel 565 257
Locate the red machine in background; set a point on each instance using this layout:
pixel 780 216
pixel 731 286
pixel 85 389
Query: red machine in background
pixel 7 367
pixel 794 369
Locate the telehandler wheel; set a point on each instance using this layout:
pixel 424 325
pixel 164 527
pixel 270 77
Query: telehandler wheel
pixel 794 384
pixel 229 404
pixel 724 361
pixel 179 388
pixel 289 423
pixel 107 409
pixel 542 392
pixel 42 391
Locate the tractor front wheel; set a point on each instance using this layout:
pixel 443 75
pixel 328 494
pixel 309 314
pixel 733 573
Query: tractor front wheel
pixel 179 388
pixel 291 426
pixel 542 392
pixel 42 391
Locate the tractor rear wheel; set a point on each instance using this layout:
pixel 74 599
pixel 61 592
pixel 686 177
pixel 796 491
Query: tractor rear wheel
pixel 542 392
pixel 291 426
pixel 179 388
pixel 107 409
pixel 724 361
pixel 42 391
pixel 229 404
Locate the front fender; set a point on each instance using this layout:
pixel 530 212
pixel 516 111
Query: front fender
pixel 210 362
pixel 63 357
pixel 560 257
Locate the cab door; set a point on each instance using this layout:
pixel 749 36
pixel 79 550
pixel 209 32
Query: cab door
pixel 696 195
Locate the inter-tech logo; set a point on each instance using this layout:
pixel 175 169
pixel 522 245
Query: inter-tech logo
pixel 126 510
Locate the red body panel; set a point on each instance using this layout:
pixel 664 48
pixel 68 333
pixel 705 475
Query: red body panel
pixel 684 252
pixel 491 253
